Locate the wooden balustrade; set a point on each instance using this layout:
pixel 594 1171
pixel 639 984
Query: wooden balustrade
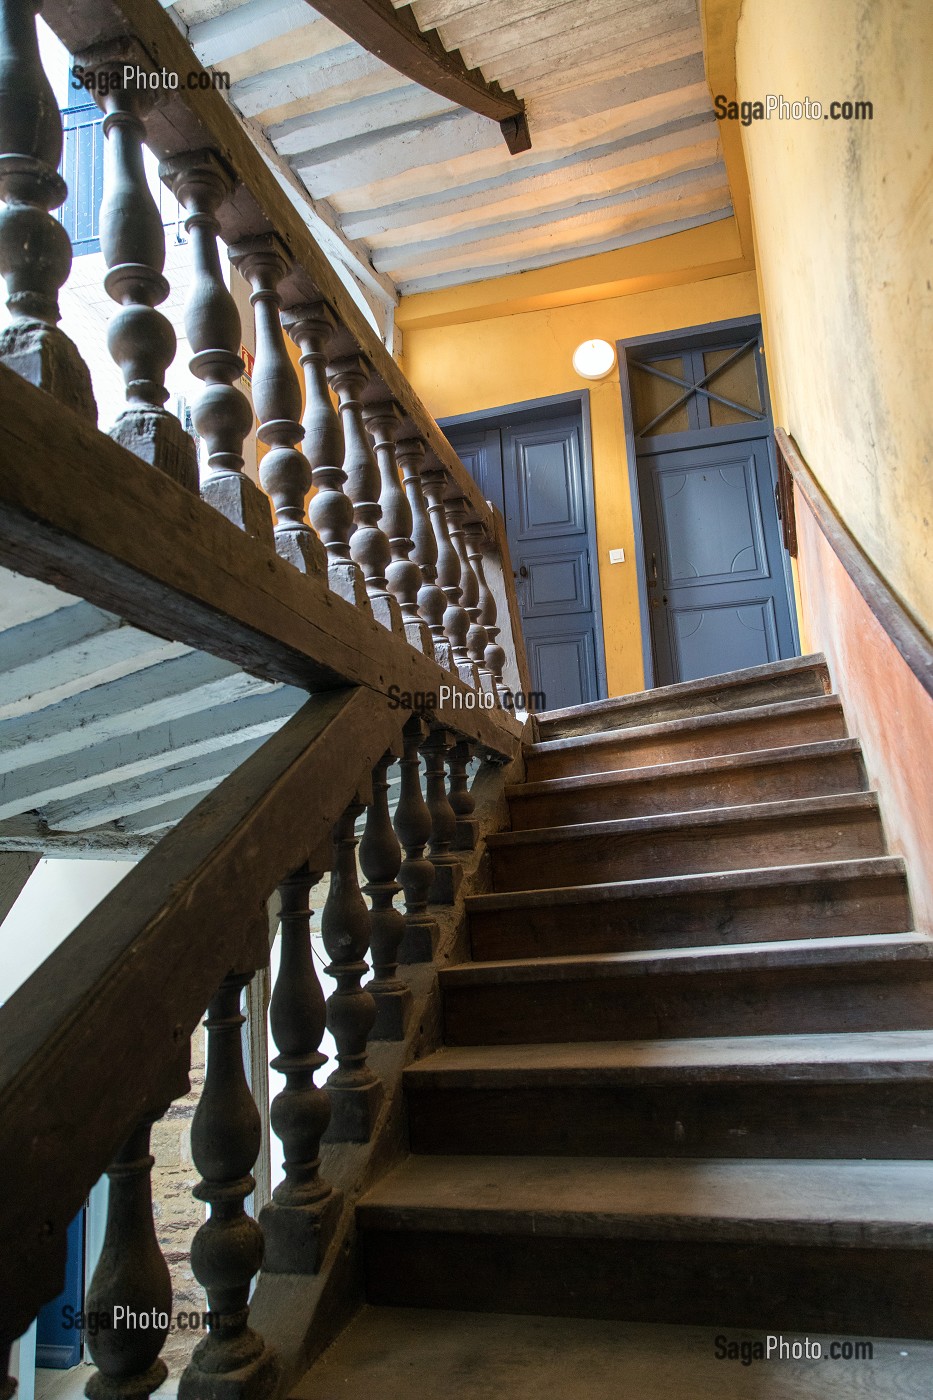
pixel 494 655
pixel 460 797
pixel 476 638
pixel 447 869
pixel 456 621
pixel 413 828
pixel 380 859
pixel 410 453
pixel 402 575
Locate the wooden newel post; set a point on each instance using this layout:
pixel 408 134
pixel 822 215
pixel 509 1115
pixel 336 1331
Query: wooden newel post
pixel 201 181
pixel 369 545
pixel 311 327
pixel 299 1221
pixel 380 858
pixel 131 1275
pixel 403 575
pixel 431 600
pixel 355 1092
pixel 447 869
pixel 413 828
pixel 140 339
pixel 283 471
pixel 456 621
pixel 35 250
pixel 232 1361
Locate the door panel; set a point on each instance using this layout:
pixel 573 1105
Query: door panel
pixel 534 468
pixel 716 584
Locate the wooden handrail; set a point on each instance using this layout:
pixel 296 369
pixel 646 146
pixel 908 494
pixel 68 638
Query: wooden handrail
pixel 93 1036
pixel 189 119
pixel 907 635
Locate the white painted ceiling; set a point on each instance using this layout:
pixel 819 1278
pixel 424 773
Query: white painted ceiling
pixel 625 144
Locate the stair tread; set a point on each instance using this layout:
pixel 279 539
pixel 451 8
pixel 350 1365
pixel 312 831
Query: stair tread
pixel 784 709
pixel 746 813
pixel 475 1356
pixel 837 951
pixel 707 881
pixel 828 1055
pixel 790 1201
pixel 754 758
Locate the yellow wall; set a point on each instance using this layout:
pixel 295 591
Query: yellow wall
pixel 843 215
pixel 502 359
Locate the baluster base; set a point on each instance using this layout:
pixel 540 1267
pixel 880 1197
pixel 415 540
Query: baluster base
pixel 159 439
pixel 393 1011
pixel 46 357
pixel 467 834
pixel 303 550
pixel 422 933
pixel 448 874
pixel 468 672
pixel 418 636
pixel 242 502
pixel 297 1237
pixel 346 580
pixel 444 656
pixel 256 1379
pixel 353 1111
pixel 387 611
pixel 101 1387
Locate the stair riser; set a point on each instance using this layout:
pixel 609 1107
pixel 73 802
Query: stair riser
pixel 783 1002
pixel 869 1292
pixel 735 845
pixel 880 1119
pixel 777 782
pixel 629 751
pixel 655 709
pixel 810 910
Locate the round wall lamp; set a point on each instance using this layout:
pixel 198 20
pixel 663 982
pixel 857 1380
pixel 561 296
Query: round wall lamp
pixel 594 359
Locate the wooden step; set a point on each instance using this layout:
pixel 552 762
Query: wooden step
pixel 794 679
pixel 741 906
pixel 488 1356
pixel 730 780
pixel 845 1095
pixel 772 1244
pixel 843 827
pixel 739 731
pixel 805 985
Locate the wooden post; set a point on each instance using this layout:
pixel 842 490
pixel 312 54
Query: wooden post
pixel 232 1362
pixel 369 545
pixel 35 250
pixel 447 869
pixel 413 828
pixel 283 471
pixel 403 575
pixel 222 415
pixel 311 327
pixel 380 858
pixel 140 339
pixel 299 1221
pixel 431 600
pixel 355 1092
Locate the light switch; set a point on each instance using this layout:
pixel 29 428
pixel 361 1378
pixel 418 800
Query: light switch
pixel 617 556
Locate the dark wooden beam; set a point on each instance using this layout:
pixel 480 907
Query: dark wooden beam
pixel 80 512
pixel 394 36
pixel 94 1035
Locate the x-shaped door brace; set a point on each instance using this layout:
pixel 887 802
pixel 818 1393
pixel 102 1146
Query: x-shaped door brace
pixel 699 388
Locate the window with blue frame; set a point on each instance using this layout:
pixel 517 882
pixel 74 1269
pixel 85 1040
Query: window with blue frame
pixel 82 169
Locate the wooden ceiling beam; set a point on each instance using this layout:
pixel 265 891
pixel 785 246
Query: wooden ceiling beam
pixel 395 37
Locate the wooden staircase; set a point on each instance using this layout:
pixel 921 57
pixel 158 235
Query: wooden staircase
pixel 686 1077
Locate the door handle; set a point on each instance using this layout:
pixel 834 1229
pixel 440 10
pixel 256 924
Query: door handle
pixel 521 572
pixel 654 569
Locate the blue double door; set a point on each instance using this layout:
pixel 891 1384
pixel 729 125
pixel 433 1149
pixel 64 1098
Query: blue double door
pixel 532 464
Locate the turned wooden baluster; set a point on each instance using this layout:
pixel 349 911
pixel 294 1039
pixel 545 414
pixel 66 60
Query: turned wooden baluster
pixel 227 1250
pixel 456 621
pixel 140 339
pixel 35 250
pixel 431 601
pixel 403 575
pixel 476 639
pixel 447 869
pixel 461 798
pixel 283 471
pixel 222 415
pixel 477 543
pixel 131 1273
pixel 311 328
pixel 413 828
pixel 299 1221
pixel 355 1092
pixel 369 545
pixel 380 858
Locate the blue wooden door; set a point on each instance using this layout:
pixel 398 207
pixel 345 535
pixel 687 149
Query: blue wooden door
pixel 58 1340
pixel 533 466
pixel 716 586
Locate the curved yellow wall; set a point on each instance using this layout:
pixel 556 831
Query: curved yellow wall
pixel 486 363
